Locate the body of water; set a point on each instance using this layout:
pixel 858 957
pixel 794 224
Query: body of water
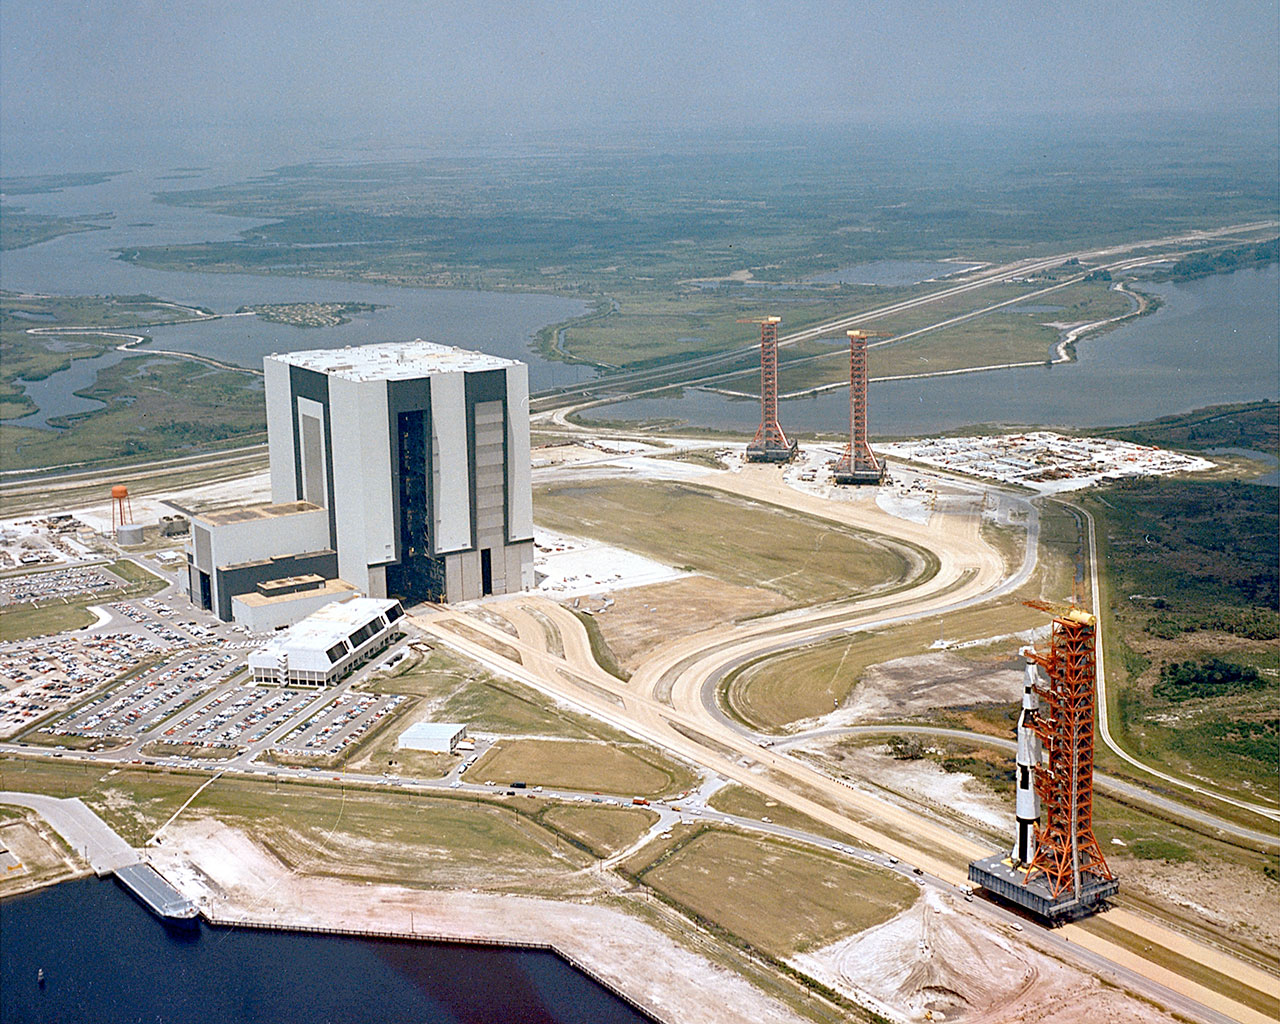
pixel 85 263
pixel 106 959
pixel 1213 340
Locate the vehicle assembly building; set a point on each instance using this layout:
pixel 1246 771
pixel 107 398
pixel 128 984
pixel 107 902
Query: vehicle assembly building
pixel 1056 868
pixel 402 469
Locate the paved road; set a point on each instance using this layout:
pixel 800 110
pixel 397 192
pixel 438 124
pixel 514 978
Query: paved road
pixel 84 831
pixel 1106 783
pixel 1104 722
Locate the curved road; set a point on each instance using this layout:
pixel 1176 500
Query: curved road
pixel 665 703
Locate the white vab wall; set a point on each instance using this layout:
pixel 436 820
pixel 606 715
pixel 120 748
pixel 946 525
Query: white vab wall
pixel 275 376
pixel 250 540
pixel 452 474
pixel 519 482
pixel 363 510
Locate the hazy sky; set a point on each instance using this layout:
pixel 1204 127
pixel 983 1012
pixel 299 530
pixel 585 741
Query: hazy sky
pixel 506 66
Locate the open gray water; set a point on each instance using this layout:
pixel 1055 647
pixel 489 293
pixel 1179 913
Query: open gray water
pixel 1214 340
pixel 85 263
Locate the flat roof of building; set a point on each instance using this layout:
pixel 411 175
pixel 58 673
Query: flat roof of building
pixel 248 513
pixel 399 360
pixel 256 600
pixel 334 622
pixel 433 730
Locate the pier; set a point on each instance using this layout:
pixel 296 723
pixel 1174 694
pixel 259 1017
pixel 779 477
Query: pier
pixel 108 854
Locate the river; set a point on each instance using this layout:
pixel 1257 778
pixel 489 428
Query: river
pixel 1213 340
pixel 106 959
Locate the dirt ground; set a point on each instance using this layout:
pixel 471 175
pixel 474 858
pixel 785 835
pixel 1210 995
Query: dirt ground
pixel 35 858
pixel 922 779
pixel 936 959
pixel 926 682
pixel 233 878
pixel 1225 895
pixel 643 617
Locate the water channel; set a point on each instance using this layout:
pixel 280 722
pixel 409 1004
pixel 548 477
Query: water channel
pixel 106 959
pixel 86 263
pixel 1213 340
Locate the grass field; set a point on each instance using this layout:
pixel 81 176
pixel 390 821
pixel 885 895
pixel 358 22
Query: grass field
pixel 1190 573
pixel 351 832
pixel 396 837
pixel 806 560
pixel 606 830
pixel 561 764
pixel 780 898
pixel 747 803
pixel 458 691
pixel 21 621
pixel 773 692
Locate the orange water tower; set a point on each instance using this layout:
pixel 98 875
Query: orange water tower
pixel 121 509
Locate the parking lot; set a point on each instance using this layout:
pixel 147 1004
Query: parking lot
pixel 56 584
pixel 47 673
pixel 238 716
pixel 142 704
pixel 339 724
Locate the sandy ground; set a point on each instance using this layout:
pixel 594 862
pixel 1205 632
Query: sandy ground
pixel 575 567
pixel 641 619
pixel 924 780
pixel 936 959
pixel 1225 896
pixel 926 682
pixel 232 877
pixel 30 857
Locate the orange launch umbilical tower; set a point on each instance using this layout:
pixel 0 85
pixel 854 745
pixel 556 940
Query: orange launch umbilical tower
pixel 1067 853
pixel 858 464
pixel 770 443
pixel 1061 873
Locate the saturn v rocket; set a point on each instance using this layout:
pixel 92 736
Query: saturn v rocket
pixel 1027 807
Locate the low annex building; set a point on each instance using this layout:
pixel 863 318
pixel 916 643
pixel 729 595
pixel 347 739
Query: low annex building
pixel 232 551
pixel 435 737
pixel 327 644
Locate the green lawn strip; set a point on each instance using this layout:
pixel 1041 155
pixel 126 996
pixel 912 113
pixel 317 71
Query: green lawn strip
pixel 600 649
pixel 777 896
pixel 808 560
pixel 460 691
pixel 747 803
pixel 590 765
pixel 604 830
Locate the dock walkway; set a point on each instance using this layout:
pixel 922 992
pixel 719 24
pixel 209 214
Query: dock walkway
pixel 108 854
